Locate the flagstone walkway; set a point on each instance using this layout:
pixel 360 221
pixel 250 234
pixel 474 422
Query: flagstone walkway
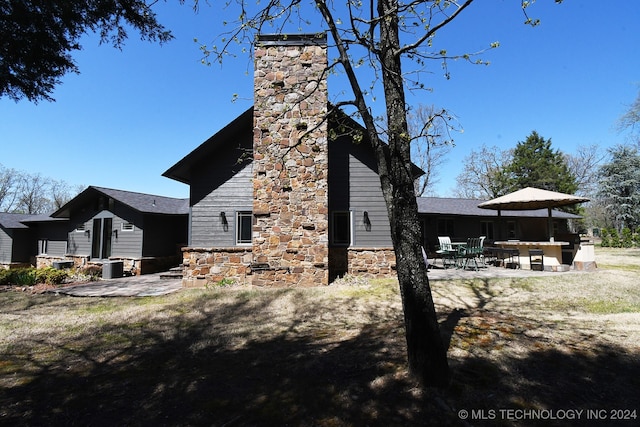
pixel 134 286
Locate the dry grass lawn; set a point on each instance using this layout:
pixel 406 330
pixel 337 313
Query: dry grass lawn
pixel 332 356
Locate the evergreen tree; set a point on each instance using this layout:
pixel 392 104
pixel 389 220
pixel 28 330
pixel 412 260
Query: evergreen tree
pixel 536 164
pixel 620 186
pixel 37 38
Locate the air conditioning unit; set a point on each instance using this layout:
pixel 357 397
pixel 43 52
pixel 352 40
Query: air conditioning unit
pixel 112 269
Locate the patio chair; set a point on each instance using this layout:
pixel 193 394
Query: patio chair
pixel 481 251
pixel 446 252
pixel 471 252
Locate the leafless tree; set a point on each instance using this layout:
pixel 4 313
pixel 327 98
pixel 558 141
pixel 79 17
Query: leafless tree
pixel 32 193
pixel 432 141
pixel 483 176
pixel 9 179
pixel 631 120
pixel 584 164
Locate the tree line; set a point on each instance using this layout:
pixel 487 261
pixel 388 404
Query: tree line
pixel 32 193
pixel 610 179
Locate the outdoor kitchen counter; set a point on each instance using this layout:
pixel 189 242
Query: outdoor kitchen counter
pixel 552 252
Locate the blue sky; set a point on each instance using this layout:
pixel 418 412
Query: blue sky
pixel 132 114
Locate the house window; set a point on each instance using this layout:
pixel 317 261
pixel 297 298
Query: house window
pixel 43 246
pixel 127 226
pixel 244 223
pixel 341 228
pixel 445 227
pixel 486 229
pixel 511 229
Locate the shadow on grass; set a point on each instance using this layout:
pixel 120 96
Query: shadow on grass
pixel 192 370
pixel 605 380
pixel 568 370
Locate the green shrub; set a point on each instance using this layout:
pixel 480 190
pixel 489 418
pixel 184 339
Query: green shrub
pixel 627 238
pixel 30 276
pixel 22 277
pixel 4 276
pixel 615 238
pixel 605 241
pixel 51 276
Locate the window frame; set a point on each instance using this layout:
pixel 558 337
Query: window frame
pixel 43 246
pixel 487 228
pixel 239 216
pixel 339 240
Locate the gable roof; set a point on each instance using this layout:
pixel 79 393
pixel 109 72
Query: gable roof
pixel 469 207
pixel 181 171
pixel 141 202
pixel 14 220
pixel 243 125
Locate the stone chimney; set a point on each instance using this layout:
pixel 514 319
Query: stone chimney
pixel 290 201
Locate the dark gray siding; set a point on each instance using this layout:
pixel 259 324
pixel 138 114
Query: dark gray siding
pixel 366 196
pixel 56 234
pixel 354 185
pixel 6 246
pixel 16 245
pixel 224 185
pixel 125 243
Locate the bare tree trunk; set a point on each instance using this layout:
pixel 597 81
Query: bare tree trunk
pixel 427 355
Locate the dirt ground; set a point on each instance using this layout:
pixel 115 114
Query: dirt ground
pixel 558 349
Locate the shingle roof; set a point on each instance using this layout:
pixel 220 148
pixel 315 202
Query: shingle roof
pixel 13 220
pixel 145 203
pixel 469 207
pixel 148 203
pixel 42 218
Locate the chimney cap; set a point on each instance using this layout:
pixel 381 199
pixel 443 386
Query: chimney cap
pixel 319 38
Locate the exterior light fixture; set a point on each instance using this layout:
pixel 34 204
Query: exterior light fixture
pixel 367 221
pixel 225 223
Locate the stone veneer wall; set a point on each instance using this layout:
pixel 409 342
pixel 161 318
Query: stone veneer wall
pixel 133 266
pixel 372 262
pixel 43 261
pixel 290 206
pixel 205 266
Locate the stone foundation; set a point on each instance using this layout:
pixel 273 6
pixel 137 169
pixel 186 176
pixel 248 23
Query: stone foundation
pixel 207 266
pixel 131 266
pixel 368 262
pixel 44 261
pixel 372 262
pixel 14 265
